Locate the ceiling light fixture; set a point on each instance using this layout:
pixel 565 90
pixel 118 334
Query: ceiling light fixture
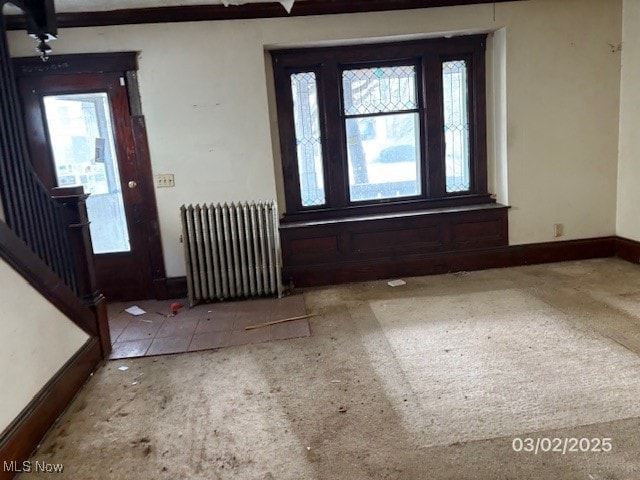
pixel 287 4
pixel 43 47
pixel 41 22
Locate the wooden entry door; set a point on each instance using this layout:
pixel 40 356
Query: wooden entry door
pixel 81 132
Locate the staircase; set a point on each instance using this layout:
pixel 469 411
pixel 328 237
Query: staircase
pixel 45 238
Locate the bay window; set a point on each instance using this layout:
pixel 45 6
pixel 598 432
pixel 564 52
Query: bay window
pixel 380 128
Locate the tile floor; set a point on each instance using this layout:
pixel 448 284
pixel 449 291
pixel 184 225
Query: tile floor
pixel 203 327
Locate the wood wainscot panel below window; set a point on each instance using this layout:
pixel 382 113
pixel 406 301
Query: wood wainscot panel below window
pixel 369 248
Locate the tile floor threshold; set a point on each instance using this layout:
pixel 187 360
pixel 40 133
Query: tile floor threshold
pixel 203 327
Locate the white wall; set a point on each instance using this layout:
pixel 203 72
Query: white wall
pixel 629 147
pixel 37 340
pixel 205 98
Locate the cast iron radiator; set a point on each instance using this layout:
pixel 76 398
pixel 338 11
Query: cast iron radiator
pixel 231 250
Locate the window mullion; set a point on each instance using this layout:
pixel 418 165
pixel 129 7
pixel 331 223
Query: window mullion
pixel 336 170
pixel 432 67
pixel 477 91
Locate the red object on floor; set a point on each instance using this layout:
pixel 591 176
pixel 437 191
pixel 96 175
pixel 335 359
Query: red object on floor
pixel 175 306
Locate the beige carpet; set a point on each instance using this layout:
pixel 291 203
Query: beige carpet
pixel 378 391
pixel 491 364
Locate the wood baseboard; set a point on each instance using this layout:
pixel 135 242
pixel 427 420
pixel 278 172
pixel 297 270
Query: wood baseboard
pixel 432 264
pixel 176 287
pixel 563 251
pixel 508 256
pixel 23 435
pixel 628 250
pixel 160 289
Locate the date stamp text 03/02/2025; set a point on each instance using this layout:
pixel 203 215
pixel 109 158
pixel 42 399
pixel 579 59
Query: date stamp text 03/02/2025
pixel 560 445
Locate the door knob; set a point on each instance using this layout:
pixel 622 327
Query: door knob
pixel 133 184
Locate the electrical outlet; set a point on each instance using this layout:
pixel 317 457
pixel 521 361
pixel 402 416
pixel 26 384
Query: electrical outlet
pixel 558 230
pixel 165 180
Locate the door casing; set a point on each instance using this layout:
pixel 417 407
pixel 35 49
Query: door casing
pixel 120 276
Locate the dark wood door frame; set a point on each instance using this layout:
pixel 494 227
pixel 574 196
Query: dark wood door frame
pixel 125 65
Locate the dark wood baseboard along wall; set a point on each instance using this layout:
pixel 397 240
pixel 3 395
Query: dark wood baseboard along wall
pixel 447 262
pixel 499 257
pixel 176 287
pixel 22 437
pixel 628 250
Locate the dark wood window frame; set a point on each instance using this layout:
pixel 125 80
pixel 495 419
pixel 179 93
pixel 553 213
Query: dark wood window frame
pixel 328 64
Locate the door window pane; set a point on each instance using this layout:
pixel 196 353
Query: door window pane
pixel 308 142
pixel 456 125
pixel 84 154
pixel 382 132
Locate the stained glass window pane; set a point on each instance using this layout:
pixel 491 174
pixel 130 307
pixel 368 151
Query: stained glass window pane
pixel 456 125
pixel 308 141
pixel 379 89
pixel 384 156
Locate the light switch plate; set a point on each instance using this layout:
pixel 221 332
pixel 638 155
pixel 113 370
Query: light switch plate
pixel 165 180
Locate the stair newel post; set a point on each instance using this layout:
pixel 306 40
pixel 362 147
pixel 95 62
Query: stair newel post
pixel 73 201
